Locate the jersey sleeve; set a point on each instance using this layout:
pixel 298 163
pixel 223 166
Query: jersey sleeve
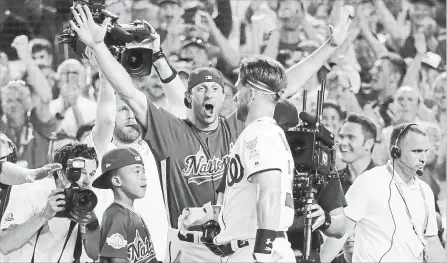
pixel 332 196
pixel 19 208
pixel 114 235
pixel 263 152
pixel 163 131
pixel 358 197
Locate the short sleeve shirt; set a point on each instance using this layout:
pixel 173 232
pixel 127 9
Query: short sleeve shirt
pixel 124 235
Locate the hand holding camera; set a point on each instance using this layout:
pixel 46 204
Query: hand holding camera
pixel 55 203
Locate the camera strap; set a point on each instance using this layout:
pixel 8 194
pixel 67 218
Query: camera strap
pixel 70 230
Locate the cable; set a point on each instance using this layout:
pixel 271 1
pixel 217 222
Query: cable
pixel 392 216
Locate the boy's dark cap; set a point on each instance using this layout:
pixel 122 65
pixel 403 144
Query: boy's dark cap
pixel 115 159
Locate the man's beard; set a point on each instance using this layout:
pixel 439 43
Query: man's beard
pixel 127 135
pixel 242 112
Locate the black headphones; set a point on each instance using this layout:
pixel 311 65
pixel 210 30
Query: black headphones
pixel 395 150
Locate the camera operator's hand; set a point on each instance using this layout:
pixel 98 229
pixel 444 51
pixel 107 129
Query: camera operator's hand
pixel 154 41
pixel 83 219
pixel 317 214
pixel 85 27
pixel 42 172
pixel 55 203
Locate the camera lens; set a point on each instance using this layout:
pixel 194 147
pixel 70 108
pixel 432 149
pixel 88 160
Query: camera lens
pixel 84 201
pixel 135 60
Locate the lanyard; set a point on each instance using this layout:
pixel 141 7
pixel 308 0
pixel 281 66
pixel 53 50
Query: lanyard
pixel 399 189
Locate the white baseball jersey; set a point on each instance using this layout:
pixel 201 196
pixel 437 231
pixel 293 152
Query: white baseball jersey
pixel 261 147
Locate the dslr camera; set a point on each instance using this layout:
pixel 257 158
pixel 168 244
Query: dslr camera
pixel 136 59
pixel 77 200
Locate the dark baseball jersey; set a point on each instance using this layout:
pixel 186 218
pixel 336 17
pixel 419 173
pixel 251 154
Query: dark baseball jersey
pixel 124 235
pixel 191 161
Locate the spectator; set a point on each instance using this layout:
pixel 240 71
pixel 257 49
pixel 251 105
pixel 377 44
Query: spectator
pixel 30 217
pixel 71 108
pixel 229 104
pixel 42 53
pixel 28 127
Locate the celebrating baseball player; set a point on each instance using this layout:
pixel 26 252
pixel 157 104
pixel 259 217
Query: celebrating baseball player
pixel 193 153
pixel 258 205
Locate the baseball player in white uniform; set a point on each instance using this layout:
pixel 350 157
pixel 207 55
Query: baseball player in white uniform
pixel 257 205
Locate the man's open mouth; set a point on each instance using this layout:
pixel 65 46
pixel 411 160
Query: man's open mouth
pixel 209 109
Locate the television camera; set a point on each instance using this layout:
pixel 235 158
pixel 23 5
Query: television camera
pixel 77 200
pixel 137 59
pixel 313 150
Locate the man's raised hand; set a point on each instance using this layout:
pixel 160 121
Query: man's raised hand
pixel 154 41
pixel 85 27
pixel 339 31
pixel 43 172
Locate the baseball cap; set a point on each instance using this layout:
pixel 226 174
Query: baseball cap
pixel 115 159
pixel 193 40
pixel 169 1
pixel 201 75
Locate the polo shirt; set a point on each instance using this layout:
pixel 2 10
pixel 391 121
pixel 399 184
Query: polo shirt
pixel 373 210
pixel 345 174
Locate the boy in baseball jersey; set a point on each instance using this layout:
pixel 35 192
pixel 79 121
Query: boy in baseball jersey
pixel 124 236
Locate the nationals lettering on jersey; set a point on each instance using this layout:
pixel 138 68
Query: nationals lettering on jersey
pixel 198 169
pixel 124 235
pixel 260 148
pixel 191 162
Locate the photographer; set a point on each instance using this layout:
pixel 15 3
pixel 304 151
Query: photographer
pixel 32 229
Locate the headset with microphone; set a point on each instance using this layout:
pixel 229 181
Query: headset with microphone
pixel 396 152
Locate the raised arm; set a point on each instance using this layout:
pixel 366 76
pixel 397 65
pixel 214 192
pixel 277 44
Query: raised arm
pixel 41 90
pixel 300 73
pixel 92 35
pixel 173 88
pixel 105 116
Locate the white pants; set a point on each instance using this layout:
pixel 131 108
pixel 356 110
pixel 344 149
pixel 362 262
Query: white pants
pixel 186 252
pixel 282 252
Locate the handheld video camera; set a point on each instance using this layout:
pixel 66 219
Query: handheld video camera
pixel 77 200
pixel 313 151
pixel 137 60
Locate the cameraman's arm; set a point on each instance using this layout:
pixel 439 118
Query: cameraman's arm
pixel 332 246
pixel 121 82
pixel 19 225
pixel 174 90
pixel 338 223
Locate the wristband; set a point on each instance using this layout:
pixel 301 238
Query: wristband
pixel 158 55
pixel 327 222
pixel 264 244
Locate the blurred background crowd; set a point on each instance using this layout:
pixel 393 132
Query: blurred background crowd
pixel 392 67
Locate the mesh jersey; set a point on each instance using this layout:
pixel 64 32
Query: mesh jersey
pixel 261 147
pixel 124 235
pixel 191 162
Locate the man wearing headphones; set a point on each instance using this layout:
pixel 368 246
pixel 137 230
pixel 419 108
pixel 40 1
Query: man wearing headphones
pixel 392 210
